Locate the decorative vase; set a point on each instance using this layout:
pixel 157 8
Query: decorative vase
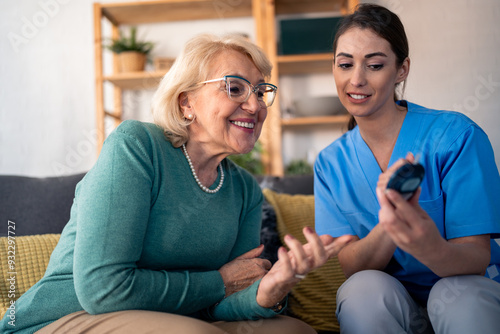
pixel 131 61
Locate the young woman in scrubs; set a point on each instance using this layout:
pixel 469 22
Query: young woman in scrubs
pixel 426 264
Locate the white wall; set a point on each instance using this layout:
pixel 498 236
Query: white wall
pixel 47 96
pixel 455 52
pixel 46 80
pixel 47 99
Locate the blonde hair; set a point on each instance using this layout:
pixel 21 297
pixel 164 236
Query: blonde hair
pixel 190 68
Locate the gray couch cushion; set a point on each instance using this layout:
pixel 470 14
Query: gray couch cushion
pixel 36 205
pixel 290 184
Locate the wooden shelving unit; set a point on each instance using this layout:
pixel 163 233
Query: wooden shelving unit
pixel 173 10
pixel 295 64
pixel 315 120
pixel 305 64
pixel 135 80
pixel 264 13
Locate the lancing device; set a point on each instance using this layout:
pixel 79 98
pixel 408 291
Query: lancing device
pixel 407 178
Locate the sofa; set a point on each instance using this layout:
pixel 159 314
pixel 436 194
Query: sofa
pixel 34 211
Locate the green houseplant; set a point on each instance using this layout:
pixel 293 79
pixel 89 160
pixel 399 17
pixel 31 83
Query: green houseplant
pixel 250 161
pixel 131 53
pixel 299 167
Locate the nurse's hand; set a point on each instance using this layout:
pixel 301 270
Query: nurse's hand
pixel 383 178
pixel 407 224
pixel 412 230
pixel 294 264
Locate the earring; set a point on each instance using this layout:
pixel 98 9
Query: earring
pixel 190 117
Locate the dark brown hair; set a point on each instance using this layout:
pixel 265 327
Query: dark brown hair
pixel 385 24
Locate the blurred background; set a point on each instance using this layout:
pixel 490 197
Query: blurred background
pixel 47 76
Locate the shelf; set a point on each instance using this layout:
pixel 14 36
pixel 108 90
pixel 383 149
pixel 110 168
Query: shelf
pixel 305 64
pixel 311 6
pixel 136 80
pixel 315 120
pixel 174 10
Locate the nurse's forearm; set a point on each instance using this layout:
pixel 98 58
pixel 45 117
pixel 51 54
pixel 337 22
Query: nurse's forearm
pixel 372 252
pixel 460 256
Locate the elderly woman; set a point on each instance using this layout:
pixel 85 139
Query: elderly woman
pixel 164 230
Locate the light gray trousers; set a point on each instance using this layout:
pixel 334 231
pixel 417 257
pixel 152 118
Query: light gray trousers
pixel 372 301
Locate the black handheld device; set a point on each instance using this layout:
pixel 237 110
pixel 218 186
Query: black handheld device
pixel 407 179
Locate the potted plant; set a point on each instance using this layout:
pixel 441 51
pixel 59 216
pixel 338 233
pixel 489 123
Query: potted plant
pixel 131 53
pixel 250 161
pixel 299 167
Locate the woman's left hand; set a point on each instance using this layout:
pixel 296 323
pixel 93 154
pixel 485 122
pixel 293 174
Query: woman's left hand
pixel 294 264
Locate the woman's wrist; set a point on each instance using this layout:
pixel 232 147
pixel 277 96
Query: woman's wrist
pixel 271 302
pixel 279 306
pixel 270 299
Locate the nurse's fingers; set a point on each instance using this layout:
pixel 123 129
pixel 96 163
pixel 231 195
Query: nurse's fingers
pixel 416 232
pixel 385 176
pixel 397 228
pixel 407 210
pixel 410 157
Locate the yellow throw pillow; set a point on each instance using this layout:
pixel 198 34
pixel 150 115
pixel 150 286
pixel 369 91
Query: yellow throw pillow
pixel 24 261
pixel 312 299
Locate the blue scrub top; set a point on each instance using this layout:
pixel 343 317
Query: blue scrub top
pixel 460 191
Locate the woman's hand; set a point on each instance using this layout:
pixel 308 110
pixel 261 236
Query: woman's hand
pixel 383 178
pixel 244 270
pixel 408 225
pixel 292 265
pixel 414 231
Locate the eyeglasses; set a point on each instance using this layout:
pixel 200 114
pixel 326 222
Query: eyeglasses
pixel 239 89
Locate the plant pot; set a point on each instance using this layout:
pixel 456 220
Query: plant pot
pixel 131 61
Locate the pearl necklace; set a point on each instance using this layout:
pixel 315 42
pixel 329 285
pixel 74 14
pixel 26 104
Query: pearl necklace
pixel 205 189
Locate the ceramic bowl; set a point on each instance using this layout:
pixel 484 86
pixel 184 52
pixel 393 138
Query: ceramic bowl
pixel 318 106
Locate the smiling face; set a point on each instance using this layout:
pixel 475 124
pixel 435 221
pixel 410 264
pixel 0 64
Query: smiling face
pixel 221 125
pixel 366 73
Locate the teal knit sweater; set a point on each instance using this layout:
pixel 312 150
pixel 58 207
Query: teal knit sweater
pixel 143 235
